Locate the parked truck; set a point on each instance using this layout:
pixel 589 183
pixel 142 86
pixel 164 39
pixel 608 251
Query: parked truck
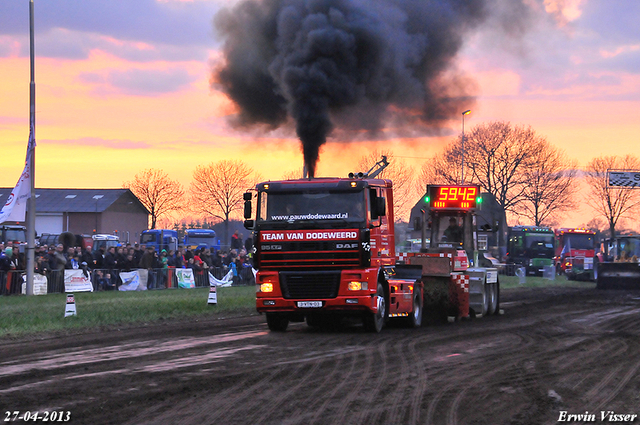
pixel 324 249
pixel 201 238
pixel 160 239
pixel 13 233
pixel 575 251
pixel 531 247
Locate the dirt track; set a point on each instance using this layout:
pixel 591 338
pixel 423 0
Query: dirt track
pixel 553 350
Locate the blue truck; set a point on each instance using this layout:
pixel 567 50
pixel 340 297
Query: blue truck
pixel 195 238
pixel 160 239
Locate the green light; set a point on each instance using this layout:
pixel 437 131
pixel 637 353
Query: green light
pixel 426 199
pixel 479 200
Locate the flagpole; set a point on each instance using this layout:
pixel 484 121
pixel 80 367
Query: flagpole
pixel 31 203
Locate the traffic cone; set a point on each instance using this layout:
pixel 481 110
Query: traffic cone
pixel 70 309
pixel 213 296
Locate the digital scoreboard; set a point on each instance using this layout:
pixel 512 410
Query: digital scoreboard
pixel 456 197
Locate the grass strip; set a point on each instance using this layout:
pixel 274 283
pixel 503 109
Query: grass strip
pixel 23 316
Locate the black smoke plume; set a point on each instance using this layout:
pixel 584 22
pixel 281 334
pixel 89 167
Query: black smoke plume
pixel 367 65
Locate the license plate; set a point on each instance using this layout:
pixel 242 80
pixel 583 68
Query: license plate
pixel 309 304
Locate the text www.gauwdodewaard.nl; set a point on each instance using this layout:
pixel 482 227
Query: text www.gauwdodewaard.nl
pixel 294 217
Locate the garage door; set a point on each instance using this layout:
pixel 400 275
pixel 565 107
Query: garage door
pixel 48 223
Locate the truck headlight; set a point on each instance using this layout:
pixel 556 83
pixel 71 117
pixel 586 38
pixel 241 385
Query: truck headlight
pixel 358 286
pixel 266 287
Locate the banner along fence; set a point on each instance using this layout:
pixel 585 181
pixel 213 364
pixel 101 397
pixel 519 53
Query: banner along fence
pixel 12 282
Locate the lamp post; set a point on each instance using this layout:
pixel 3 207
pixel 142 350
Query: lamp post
pixel 467 112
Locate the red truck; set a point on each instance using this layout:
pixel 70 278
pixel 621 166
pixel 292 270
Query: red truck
pixel 325 248
pixel 575 250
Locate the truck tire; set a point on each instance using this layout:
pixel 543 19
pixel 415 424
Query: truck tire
pixel 493 298
pixel 415 317
pixel 277 322
pixel 375 322
pixel 487 298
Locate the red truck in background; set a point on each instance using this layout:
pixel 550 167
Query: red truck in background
pixel 575 252
pixel 325 248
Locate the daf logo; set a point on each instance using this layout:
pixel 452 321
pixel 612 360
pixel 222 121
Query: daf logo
pixel 346 246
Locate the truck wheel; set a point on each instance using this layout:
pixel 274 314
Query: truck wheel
pixel 493 298
pixel 277 322
pixel 375 322
pixel 415 317
pixel 487 299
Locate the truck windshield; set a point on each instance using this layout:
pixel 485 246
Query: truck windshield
pixel 317 206
pixel 531 245
pixel 579 241
pixel 16 235
pixel 204 240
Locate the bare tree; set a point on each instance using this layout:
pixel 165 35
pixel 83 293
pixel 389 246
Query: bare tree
pixel 496 156
pixel 612 203
pixel 551 185
pixel 402 176
pixel 442 168
pixel 217 189
pixel 157 192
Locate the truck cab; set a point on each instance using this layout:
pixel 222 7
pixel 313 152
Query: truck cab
pixel 575 252
pixel 532 247
pixel 325 248
pixel 160 239
pixel 194 238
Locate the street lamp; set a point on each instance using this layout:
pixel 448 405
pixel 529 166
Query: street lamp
pixel 467 112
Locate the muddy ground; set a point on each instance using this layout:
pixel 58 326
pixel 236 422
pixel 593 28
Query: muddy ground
pixel 553 351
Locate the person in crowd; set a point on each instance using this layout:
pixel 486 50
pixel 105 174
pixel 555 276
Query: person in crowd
pixel 206 257
pixel 73 263
pixel 111 263
pixel 148 262
pixel 98 257
pixel 85 269
pixel 236 240
pixel 103 281
pixel 6 260
pixel 129 263
pixel 139 252
pixel 41 265
pixel 218 259
pixel 87 257
pixel 59 258
pixel 121 256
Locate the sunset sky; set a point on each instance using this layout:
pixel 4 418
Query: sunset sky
pixel 125 85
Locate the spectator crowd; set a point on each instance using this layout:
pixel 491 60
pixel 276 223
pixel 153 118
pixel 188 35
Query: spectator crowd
pixel 108 262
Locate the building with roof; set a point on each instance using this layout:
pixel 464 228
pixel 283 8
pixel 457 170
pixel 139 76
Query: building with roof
pixel 88 211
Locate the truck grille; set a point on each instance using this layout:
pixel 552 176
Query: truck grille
pixel 309 285
pixel 302 255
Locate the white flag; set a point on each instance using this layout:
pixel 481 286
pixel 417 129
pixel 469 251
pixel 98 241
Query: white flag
pixel 16 207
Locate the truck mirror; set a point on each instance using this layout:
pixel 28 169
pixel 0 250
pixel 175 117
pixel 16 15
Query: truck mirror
pixel 247 208
pixel 248 224
pixel 246 196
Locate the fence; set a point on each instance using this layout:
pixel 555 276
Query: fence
pixel 11 282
